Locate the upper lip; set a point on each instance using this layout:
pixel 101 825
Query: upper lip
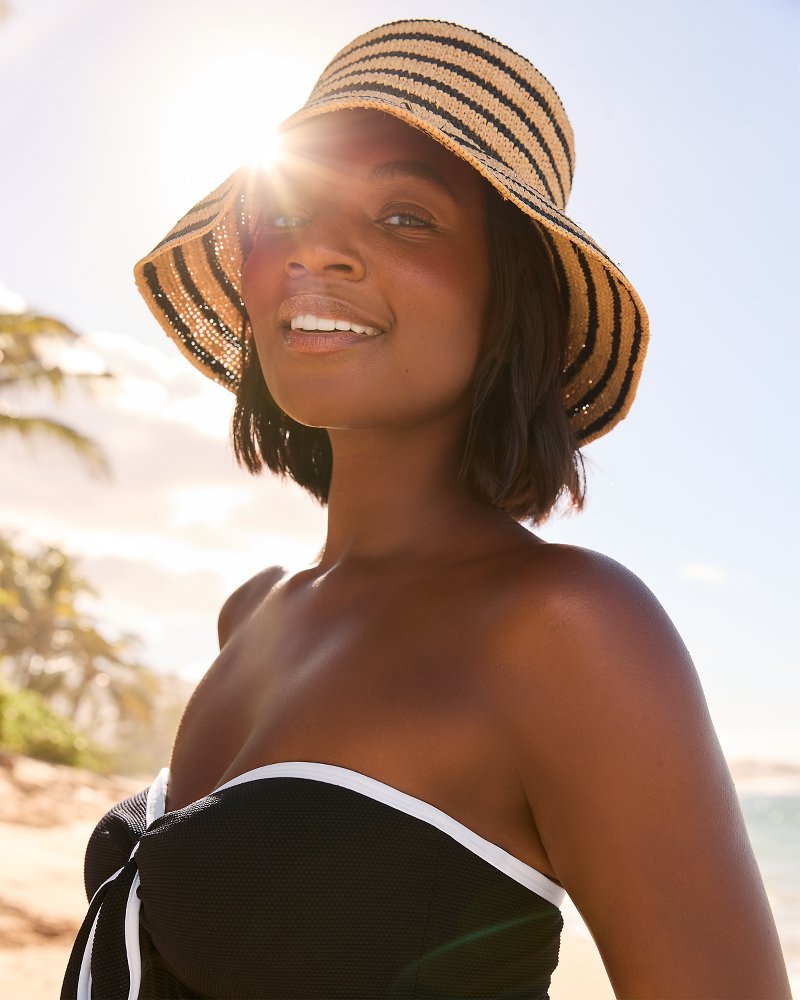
pixel 325 307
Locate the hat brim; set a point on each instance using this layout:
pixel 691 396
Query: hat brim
pixel 192 280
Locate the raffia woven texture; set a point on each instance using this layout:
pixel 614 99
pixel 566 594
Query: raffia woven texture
pixel 487 105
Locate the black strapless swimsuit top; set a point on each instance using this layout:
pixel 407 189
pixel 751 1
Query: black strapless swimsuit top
pixel 305 880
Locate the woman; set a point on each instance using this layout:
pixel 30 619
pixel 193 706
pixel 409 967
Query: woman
pixel 406 752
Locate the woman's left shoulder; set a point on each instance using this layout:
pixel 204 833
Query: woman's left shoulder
pixel 597 698
pixel 561 572
pixel 591 676
pixel 589 614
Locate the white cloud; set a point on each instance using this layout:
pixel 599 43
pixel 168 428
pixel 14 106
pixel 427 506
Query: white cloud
pixel 209 411
pixel 149 382
pixel 131 356
pixel 701 572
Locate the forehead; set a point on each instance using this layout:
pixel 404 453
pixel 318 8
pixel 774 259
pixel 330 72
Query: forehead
pixel 357 142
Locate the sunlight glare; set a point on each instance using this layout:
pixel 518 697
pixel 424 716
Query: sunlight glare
pixel 265 152
pixel 223 114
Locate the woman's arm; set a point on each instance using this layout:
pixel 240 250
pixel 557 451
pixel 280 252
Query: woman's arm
pixel 629 789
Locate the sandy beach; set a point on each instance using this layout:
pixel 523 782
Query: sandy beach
pixel 46 815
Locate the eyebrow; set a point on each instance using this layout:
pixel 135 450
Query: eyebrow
pixel 410 168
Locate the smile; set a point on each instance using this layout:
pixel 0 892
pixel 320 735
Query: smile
pixel 325 324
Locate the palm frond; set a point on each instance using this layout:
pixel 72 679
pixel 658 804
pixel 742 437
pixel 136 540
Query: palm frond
pixel 23 362
pixel 86 449
pixel 33 376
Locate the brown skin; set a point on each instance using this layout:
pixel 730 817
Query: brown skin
pixel 537 693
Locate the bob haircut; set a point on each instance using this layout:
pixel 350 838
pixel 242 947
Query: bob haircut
pixel 520 454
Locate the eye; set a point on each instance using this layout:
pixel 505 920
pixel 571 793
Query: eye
pixel 408 219
pixel 281 219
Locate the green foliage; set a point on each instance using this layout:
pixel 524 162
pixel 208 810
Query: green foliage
pixel 51 644
pixel 28 725
pixel 50 647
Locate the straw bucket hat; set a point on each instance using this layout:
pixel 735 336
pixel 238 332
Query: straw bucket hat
pixel 487 105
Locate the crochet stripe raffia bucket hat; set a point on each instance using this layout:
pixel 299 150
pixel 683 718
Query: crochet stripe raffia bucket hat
pixel 492 108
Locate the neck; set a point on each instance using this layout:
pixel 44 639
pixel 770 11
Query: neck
pixel 396 494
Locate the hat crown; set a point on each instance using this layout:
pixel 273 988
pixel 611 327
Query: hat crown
pixel 464 85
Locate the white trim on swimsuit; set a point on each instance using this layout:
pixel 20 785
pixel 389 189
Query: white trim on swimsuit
pixel 504 862
pixel 391 796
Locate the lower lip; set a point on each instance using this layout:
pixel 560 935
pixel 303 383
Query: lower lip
pixel 320 343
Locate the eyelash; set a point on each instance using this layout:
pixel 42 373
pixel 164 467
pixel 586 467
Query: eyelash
pixel 419 219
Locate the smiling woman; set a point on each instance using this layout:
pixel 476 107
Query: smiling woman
pixel 407 752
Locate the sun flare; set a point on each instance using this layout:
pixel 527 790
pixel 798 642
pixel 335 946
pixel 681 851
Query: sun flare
pixel 223 114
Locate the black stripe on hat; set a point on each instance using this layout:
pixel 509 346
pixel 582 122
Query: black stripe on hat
pixel 194 293
pixel 229 290
pixel 440 111
pixel 562 222
pixel 482 53
pixel 596 426
pixel 597 387
pixel 591 324
pixel 385 88
pixel 545 209
pixel 465 74
pixel 215 199
pixel 558 263
pixel 201 206
pixel 161 299
pixel 186 231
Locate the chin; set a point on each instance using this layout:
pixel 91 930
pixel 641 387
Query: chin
pixel 330 406
pixel 327 414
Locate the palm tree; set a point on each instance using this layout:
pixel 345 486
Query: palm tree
pixel 50 647
pixel 24 365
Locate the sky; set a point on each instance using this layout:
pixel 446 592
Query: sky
pixel 117 116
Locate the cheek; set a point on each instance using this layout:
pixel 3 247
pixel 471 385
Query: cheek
pixel 259 273
pixel 448 310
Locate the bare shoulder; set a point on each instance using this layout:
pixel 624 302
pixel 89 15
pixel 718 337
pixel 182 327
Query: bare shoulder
pixel 604 711
pixel 568 572
pixel 588 611
pixel 245 599
pixel 585 650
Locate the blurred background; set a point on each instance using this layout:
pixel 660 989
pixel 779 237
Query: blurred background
pixel 124 522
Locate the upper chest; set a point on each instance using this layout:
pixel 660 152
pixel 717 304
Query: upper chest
pixel 392 664
pixel 397 682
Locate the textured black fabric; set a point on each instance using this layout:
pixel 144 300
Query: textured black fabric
pixel 285 887
pixel 114 837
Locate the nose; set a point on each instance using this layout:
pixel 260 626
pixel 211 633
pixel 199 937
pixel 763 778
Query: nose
pixel 326 247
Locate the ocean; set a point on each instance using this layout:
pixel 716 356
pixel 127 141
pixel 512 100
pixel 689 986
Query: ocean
pixel 773 823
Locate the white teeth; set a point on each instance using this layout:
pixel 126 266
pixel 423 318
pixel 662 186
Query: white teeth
pixel 311 324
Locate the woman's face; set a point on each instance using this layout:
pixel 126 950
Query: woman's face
pixel 369 226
